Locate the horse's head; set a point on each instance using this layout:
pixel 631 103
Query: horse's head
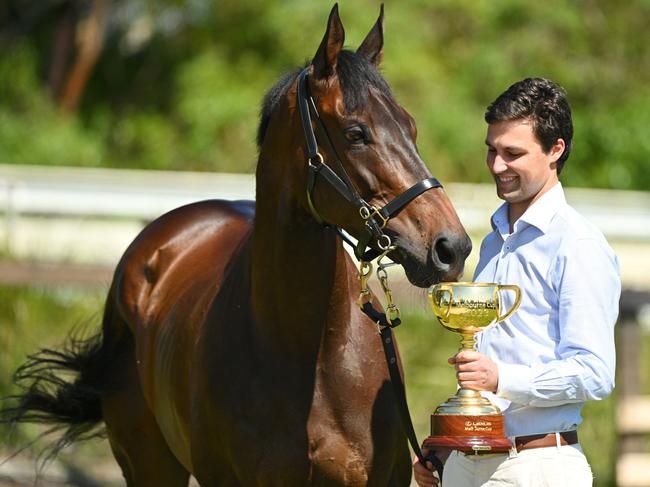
pixel 356 121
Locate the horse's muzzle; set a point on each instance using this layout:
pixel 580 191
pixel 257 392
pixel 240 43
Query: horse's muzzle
pixel 444 260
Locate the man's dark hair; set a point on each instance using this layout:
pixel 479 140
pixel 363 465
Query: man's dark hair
pixel 545 104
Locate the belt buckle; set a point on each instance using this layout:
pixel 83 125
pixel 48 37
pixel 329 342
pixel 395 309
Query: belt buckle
pixel 481 449
pixel 478 450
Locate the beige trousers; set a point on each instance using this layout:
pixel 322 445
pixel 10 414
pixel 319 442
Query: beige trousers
pixel 538 467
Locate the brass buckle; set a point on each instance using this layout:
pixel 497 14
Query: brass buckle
pixel 319 161
pixel 368 213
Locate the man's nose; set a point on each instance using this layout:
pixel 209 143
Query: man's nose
pixel 498 164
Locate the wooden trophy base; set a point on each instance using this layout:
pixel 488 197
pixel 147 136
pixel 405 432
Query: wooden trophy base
pixel 468 433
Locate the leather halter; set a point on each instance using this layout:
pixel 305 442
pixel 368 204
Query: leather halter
pixel 375 219
pixel 374 229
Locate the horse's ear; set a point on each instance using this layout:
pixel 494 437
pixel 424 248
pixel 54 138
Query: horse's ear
pixel 324 61
pixel 372 46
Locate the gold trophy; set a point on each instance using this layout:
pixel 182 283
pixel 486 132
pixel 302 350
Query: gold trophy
pixel 469 422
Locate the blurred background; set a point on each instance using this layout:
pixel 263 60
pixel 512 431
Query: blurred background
pixel 114 111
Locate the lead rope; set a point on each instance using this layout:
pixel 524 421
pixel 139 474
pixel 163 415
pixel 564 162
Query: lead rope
pixel 387 321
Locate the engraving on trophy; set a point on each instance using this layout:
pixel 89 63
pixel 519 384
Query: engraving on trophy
pixel 478 426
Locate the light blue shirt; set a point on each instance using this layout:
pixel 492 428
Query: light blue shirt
pixel 557 350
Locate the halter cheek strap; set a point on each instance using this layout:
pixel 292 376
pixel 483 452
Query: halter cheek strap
pixel 375 218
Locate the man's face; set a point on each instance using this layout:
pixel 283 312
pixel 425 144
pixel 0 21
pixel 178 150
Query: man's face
pixel 520 167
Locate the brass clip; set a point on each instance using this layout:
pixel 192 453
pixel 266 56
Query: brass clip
pixel 392 310
pixel 365 270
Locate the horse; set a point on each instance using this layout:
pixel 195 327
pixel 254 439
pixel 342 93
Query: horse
pixel 232 347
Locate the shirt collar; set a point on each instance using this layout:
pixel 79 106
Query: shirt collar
pixel 500 220
pixel 539 214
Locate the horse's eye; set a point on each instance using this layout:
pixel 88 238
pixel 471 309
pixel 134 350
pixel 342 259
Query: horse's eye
pixel 356 135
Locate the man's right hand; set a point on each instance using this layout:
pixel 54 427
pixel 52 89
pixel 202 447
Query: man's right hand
pixel 424 474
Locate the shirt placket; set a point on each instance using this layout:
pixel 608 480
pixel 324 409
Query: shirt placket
pixel 500 267
pixel 502 272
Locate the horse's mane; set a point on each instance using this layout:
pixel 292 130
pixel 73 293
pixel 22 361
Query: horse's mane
pixel 356 74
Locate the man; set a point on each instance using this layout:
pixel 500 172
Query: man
pixel 557 350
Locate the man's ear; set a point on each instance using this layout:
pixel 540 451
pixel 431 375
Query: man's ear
pixel 557 150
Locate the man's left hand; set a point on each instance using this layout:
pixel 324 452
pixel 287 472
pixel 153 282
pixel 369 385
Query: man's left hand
pixel 475 371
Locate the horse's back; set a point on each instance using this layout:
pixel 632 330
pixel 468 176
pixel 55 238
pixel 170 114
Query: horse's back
pixel 163 288
pixel 189 247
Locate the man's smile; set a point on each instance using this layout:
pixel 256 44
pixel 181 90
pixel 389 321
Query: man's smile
pixel 505 181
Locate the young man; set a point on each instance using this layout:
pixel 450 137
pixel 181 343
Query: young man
pixel 557 350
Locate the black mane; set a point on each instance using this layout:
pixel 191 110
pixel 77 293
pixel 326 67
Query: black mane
pixel 356 75
pixel 271 100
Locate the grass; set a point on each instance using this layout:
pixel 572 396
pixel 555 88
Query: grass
pixel 31 318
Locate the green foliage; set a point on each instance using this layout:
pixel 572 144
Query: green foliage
pixel 178 85
pixel 216 104
pixel 31 129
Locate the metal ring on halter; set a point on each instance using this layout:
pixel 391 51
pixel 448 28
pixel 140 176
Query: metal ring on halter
pixel 364 212
pixel 384 242
pixel 317 156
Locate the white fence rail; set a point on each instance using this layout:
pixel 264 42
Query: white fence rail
pixel 90 215
pixel 143 195
pixel 89 192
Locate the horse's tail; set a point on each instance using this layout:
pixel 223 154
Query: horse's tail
pixel 62 389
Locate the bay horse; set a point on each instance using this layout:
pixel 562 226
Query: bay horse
pixel 232 347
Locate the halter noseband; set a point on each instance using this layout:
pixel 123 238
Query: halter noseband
pixel 375 218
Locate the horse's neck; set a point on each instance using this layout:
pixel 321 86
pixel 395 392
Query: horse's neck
pixel 300 277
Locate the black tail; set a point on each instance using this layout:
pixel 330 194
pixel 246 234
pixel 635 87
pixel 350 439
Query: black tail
pixel 61 388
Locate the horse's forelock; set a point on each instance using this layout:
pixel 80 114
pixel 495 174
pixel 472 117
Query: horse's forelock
pixel 356 75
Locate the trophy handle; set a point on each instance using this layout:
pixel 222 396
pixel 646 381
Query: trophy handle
pixel 517 291
pixel 438 310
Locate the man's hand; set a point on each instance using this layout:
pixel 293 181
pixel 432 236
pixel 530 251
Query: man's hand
pixel 475 371
pixel 424 475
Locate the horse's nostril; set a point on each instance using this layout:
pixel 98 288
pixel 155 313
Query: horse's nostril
pixel 444 251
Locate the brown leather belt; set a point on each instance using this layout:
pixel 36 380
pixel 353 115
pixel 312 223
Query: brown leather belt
pixel 545 440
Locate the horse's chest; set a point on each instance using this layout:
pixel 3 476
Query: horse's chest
pixel 339 437
pixel 335 460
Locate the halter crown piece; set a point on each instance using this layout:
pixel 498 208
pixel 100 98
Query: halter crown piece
pixel 375 218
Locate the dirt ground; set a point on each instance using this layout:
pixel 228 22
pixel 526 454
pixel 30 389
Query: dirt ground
pixel 79 466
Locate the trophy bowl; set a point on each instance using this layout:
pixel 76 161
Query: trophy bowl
pixel 468 421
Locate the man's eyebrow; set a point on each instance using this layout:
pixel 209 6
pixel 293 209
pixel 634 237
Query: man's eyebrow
pixel 511 148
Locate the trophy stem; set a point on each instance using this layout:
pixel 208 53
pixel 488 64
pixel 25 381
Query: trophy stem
pixel 468 340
